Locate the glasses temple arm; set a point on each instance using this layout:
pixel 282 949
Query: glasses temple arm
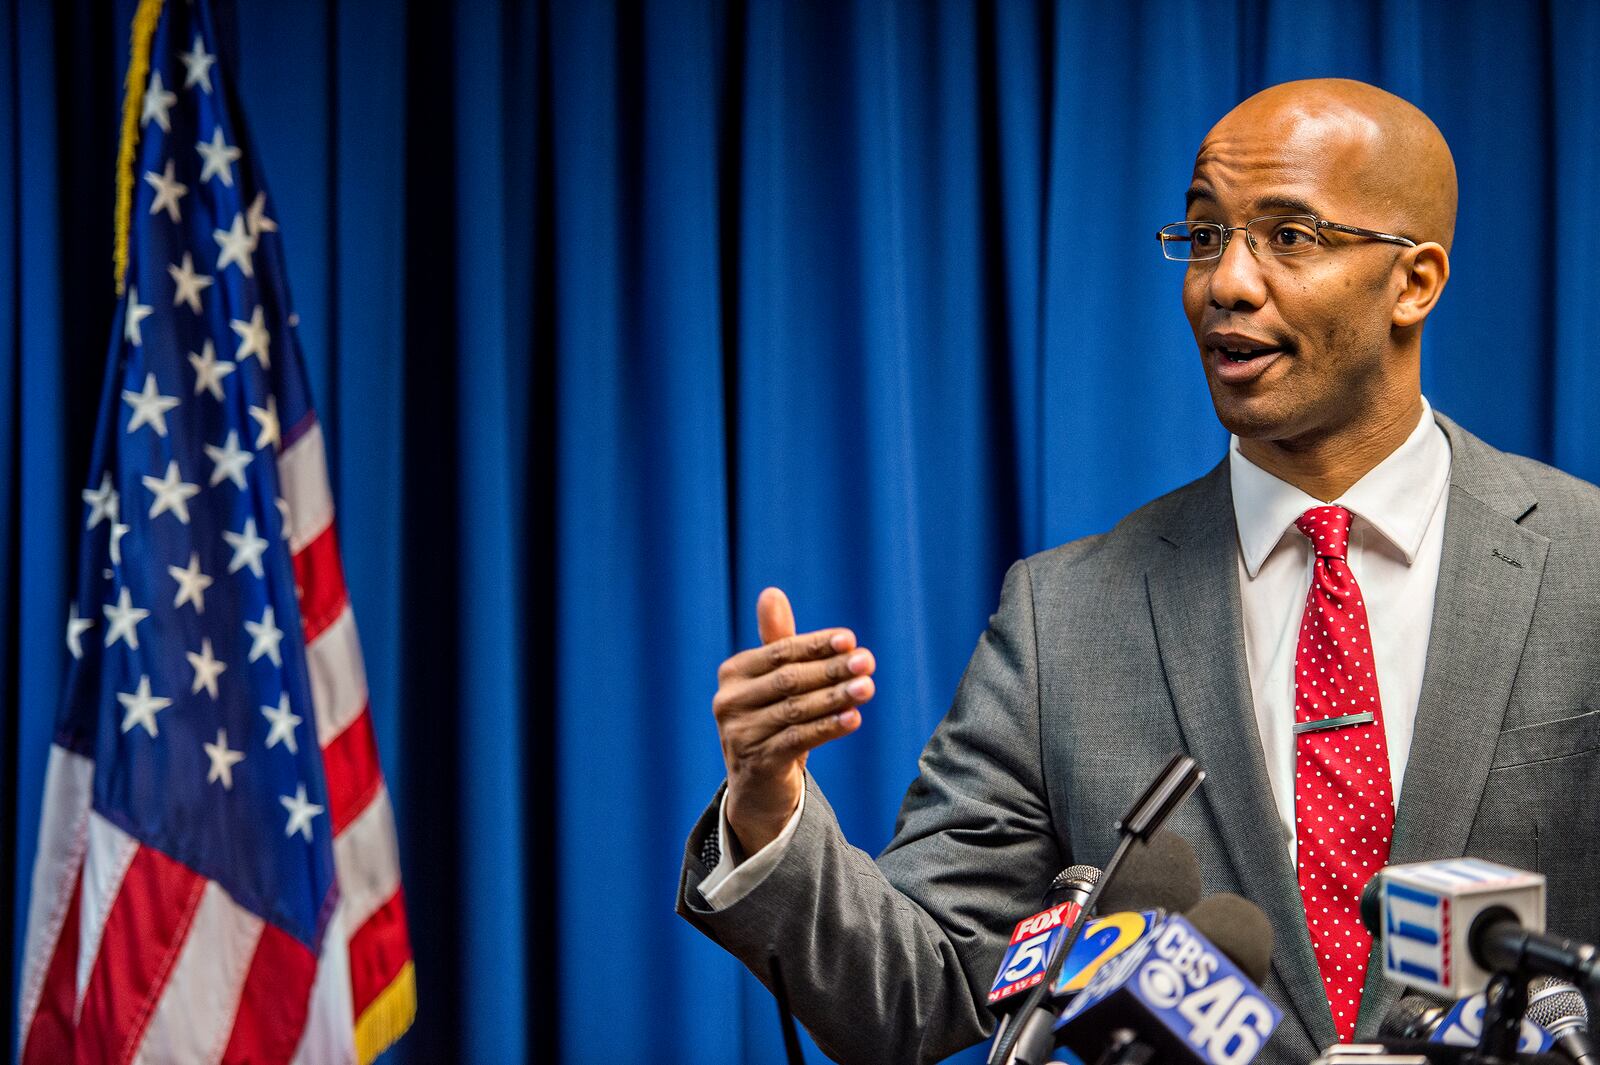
pixel 1372 233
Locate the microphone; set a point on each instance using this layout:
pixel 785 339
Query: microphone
pixel 1417 1017
pixel 1237 927
pixel 1187 994
pixel 1413 1017
pixel 1103 938
pixel 1022 966
pixel 1501 941
pixel 1559 1008
pixel 1072 884
pixel 1447 926
pixel 1033 939
pixel 1157 875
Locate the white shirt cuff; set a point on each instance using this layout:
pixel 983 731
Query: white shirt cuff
pixel 733 879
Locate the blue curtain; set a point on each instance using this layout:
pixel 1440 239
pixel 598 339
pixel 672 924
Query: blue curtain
pixel 618 313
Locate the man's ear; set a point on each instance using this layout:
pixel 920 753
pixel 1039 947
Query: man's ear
pixel 1427 269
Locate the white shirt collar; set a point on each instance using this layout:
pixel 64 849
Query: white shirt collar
pixel 1397 497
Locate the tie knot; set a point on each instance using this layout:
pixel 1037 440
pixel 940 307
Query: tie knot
pixel 1328 529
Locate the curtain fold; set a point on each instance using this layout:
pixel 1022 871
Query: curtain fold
pixel 618 313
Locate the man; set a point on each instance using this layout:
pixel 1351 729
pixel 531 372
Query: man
pixel 1379 635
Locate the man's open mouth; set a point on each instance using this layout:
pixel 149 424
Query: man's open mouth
pixel 1246 354
pixel 1239 358
pixel 1240 348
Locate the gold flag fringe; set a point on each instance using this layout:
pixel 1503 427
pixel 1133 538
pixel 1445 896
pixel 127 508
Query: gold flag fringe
pixel 388 1017
pixel 144 28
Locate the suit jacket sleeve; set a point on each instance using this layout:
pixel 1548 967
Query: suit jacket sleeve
pixel 890 960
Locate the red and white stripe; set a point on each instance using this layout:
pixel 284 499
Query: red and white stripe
pixel 132 957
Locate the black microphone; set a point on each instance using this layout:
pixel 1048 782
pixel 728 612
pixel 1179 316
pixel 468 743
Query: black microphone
pixel 1500 943
pixel 1413 1017
pixel 1160 874
pixel 1237 927
pixel 1175 783
pixel 1072 884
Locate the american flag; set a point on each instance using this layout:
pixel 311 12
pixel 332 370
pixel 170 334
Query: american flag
pixel 217 877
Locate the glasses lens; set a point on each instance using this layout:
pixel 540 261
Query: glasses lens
pixel 1290 234
pixel 1187 241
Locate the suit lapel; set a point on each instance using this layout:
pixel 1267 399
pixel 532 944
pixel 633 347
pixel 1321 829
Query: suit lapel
pixel 1194 603
pixel 1489 576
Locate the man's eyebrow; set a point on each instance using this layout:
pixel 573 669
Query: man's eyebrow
pixel 1285 203
pixel 1264 206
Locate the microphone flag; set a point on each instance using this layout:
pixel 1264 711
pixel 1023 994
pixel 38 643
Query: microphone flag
pixel 1032 942
pixel 1034 938
pixel 1179 994
pixel 1463 1027
pixel 217 876
pixel 1103 938
pixel 1425 917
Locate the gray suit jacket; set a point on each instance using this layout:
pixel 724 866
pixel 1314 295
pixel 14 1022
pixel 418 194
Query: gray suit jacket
pixel 1110 653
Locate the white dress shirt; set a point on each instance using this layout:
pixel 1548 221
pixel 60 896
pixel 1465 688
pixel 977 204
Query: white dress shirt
pixel 1396 539
pixel 1395 543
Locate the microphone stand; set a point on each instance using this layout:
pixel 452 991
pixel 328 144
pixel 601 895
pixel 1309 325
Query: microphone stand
pixel 780 992
pixel 1506 1000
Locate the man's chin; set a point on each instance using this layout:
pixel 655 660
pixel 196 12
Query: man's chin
pixel 1248 418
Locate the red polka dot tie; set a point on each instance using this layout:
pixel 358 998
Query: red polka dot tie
pixel 1343 802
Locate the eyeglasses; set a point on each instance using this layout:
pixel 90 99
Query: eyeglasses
pixel 1280 234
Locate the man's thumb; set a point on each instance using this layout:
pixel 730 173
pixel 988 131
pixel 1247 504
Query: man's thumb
pixel 774 615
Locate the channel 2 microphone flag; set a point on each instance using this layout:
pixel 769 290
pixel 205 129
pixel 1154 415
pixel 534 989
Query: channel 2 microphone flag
pixel 217 877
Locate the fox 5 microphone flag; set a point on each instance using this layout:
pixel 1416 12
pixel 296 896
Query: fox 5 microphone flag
pixel 218 877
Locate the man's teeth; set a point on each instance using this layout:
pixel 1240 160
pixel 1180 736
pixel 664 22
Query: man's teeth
pixel 1244 355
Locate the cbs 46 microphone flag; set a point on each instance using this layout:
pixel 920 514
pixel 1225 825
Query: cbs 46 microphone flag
pixel 218 877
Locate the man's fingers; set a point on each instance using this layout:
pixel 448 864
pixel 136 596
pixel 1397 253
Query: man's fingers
pixel 807 647
pixel 796 740
pixel 791 681
pixel 757 726
pixel 774 615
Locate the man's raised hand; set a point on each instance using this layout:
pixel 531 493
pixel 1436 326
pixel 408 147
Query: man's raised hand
pixel 774 703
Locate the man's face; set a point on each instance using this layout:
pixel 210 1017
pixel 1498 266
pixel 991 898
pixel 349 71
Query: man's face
pixel 1314 329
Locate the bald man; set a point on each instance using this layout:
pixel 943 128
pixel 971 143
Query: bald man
pixel 1379 635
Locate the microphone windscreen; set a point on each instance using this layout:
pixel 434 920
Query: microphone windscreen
pixel 1556 1006
pixel 1372 904
pixel 1238 928
pixel 1160 874
pixel 1075 881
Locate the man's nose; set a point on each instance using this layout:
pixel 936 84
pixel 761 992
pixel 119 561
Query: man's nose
pixel 1236 280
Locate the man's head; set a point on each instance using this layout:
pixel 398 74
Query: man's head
pixel 1336 330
